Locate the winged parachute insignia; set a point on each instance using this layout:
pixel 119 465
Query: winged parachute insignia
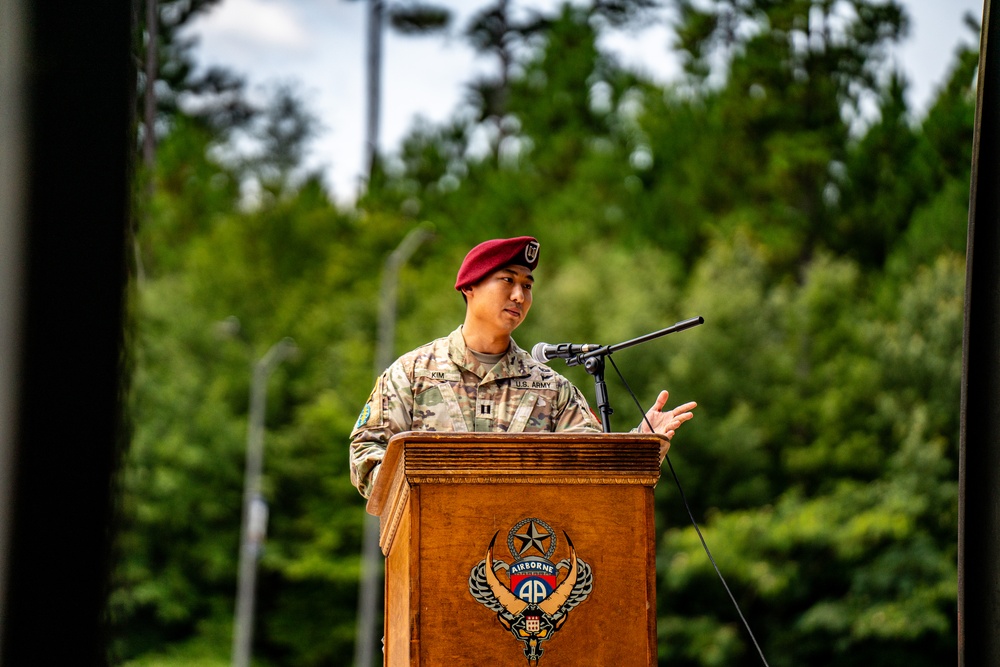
pixel 537 607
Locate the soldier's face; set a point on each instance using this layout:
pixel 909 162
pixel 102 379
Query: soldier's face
pixel 501 300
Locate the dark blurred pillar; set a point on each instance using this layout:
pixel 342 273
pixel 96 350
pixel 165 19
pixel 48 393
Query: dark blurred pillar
pixel 979 456
pixel 66 99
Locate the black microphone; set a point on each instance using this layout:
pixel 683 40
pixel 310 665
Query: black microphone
pixel 545 352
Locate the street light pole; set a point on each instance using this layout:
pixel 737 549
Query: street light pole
pixel 370 592
pixel 376 13
pixel 254 521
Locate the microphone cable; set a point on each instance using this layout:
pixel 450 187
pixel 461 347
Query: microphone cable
pixel 694 523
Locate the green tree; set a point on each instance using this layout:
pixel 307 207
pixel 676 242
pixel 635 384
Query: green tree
pixel 794 77
pixel 222 105
pixel 827 478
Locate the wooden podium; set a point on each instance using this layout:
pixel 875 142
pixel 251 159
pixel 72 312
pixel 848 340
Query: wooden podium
pixel 533 549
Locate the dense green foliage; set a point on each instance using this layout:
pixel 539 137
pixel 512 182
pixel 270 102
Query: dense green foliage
pixel 783 190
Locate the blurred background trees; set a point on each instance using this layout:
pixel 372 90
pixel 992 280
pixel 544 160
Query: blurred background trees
pixel 783 190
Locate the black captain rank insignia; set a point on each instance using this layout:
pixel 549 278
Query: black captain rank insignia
pixel 535 602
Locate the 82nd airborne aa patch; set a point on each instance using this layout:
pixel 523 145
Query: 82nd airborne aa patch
pixel 533 605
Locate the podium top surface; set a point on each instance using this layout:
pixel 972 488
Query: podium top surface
pixel 417 457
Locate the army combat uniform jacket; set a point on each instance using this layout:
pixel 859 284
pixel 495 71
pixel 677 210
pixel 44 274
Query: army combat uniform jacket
pixel 441 386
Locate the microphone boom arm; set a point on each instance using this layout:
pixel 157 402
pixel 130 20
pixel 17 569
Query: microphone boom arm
pixel 593 361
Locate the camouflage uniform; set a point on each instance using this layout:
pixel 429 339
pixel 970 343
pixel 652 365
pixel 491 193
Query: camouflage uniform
pixel 441 386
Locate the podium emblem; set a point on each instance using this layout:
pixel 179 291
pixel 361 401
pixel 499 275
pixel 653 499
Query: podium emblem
pixel 534 603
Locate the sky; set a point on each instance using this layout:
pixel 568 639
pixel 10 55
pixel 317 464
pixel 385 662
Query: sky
pixel 318 46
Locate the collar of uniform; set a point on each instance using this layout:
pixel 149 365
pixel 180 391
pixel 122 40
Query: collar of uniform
pixel 511 365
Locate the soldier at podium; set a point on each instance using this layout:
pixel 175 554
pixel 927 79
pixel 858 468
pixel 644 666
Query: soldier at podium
pixel 477 378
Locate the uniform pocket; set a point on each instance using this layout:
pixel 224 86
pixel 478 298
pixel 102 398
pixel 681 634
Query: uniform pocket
pixel 436 408
pixel 519 420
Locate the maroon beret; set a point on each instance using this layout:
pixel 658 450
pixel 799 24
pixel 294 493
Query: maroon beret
pixel 489 256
